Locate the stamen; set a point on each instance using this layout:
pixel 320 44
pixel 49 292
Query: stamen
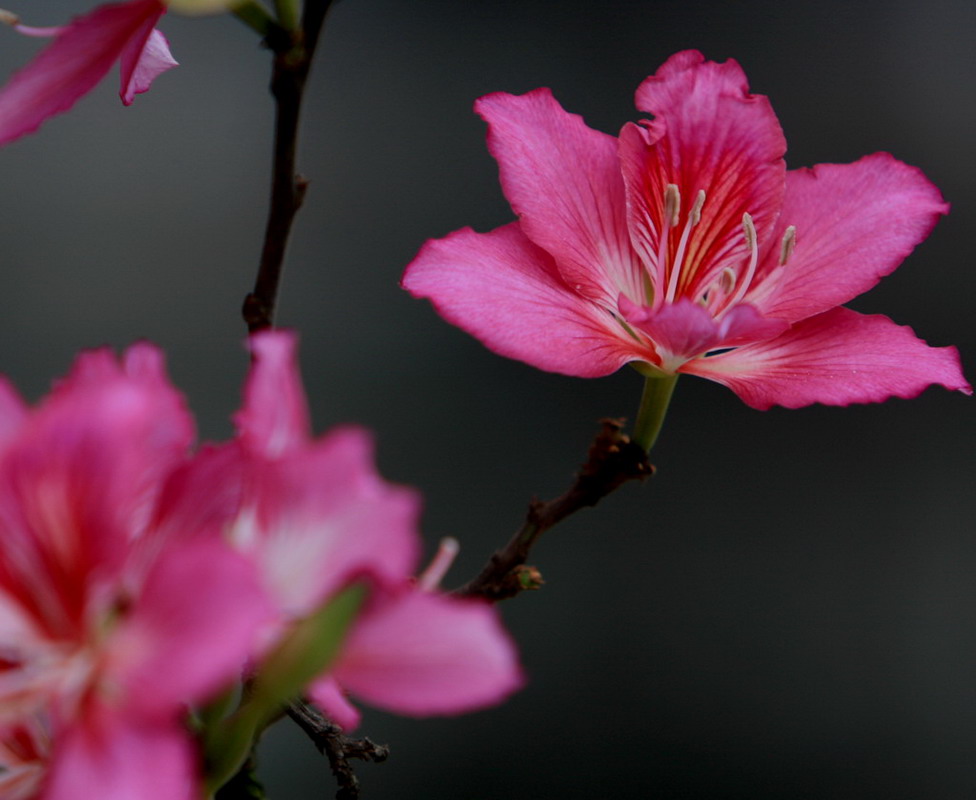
pixel 786 248
pixel 8 18
pixel 696 209
pixel 726 281
pixel 749 231
pixel 430 578
pixel 693 219
pixel 672 205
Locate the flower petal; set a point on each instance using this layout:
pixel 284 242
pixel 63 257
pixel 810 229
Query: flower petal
pixel 274 419
pixel 709 134
pixel 68 68
pixel 685 329
pixel 506 292
pixel 324 516
pixel 113 758
pixel 328 696
pixel 424 654
pixel 79 482
pixel 190 630
pixel 144 59
pixel 855 223
pixel 836 358
pixel 563 180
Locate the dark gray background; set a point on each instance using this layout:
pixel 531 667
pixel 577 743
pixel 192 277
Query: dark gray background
pixel 787 610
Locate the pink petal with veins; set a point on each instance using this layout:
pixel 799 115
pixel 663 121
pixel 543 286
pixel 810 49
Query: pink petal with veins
pixel 836 358
pixel 563 181
pixel 855 223
pixel 508 293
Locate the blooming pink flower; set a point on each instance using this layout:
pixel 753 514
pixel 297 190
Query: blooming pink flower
pixel 79 57
pixel 684 245
pixel 108 630
pixel 315 516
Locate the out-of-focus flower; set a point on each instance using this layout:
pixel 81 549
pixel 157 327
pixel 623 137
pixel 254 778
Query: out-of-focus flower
pixel 315 517
pixel 80 55
pixel 109 629
pixel 685 246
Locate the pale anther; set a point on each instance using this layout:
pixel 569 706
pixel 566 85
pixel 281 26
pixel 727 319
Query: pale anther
pixel 696 209
pixel 749 229
pixel 672 204
pixel 726 281
pixel 786 248
pixel 8 18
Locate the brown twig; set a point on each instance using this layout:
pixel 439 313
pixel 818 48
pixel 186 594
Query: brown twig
pixel 293 53
pixel 613 460
pixel 338 748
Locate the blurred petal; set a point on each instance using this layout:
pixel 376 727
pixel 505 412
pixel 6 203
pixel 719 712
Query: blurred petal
pixel 274 419
pixel 329 697
pixel 144 59
pixel 325 516
pixel 78 58
pixel 191 629
pixel 110 758
pixel 424 654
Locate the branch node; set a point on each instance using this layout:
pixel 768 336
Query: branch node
pixel 612 460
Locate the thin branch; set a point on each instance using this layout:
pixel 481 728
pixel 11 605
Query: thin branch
pixel 338 748
pixel 613 460
pixel 293 53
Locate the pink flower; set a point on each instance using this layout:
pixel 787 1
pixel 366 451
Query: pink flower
pixel 685 246
pixel 109 628
pixel 315 517
pixel 79 57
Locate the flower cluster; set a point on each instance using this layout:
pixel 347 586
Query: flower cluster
pixel 686 247
pixel 140 579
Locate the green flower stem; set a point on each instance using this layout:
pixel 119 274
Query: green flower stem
pixel 255 16
pixel 653 407
pixel 306 651
pixel 288 14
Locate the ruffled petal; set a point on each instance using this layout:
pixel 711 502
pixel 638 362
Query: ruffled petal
pixel 836 358
pixel 424 654
pixel 274 419
pixel 78 58
pixel 709 134
pixel 144 59
pixel 563 180
pixel 855 223
pixel 506 292
pixel 114 758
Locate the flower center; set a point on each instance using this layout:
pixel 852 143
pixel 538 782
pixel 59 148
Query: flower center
pixel 718 286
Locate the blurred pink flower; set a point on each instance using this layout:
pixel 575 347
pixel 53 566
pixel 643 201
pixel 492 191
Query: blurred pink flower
pixel 108 629
pixel 687 247
pixel 315 516
pixel 81 55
